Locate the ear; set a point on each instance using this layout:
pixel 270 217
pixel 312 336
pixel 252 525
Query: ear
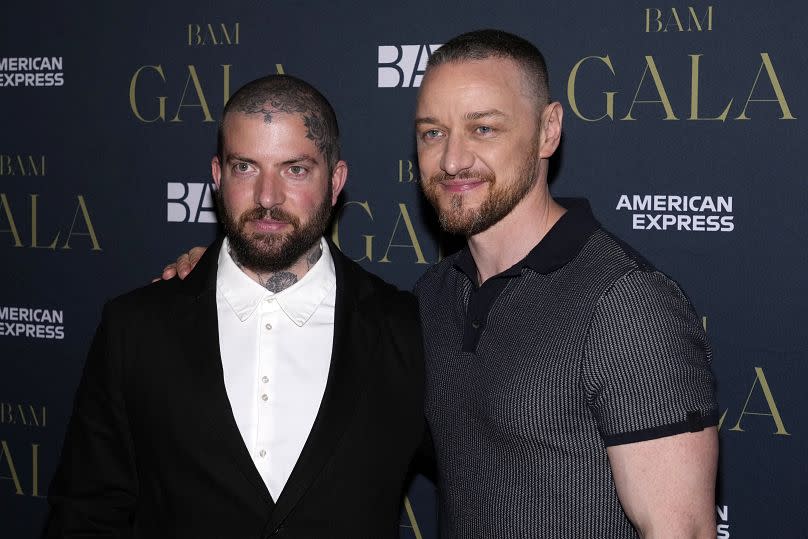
pixel 216 171
pixel 550 134
pixel 338 178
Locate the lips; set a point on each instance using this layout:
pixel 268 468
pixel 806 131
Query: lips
pixel 268 225
pixel 461 185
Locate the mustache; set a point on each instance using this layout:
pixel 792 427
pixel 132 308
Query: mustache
pixel 275 213
pixel 468 174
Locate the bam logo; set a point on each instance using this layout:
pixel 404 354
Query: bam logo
pixel 694 22
pixel 22 165
pixel 403 66
pixel 190 202
pixel 212 34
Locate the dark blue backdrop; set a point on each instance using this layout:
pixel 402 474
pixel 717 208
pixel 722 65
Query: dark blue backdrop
pixel 104 164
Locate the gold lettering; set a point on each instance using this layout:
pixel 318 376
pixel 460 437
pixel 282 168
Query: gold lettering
pixel 161 100
pixel 193 31
pixel 35 471
pixel 34 245
pixel 402 171
pixel 196 37
pixel 6 415
pixel 368 238
pixel 405 215
pixel 678 23
pixel 226 34
pixel 774 413
pixel 82 206
pixel 6 452
pixel 416 531
pixel 778 90
pixel 10 218
pixel 660 88
pixel 279 69
pixel 226 82
pixel 657 19
pixel 694 18
pixel 694 92
pixel 721 419
pixel 203 104
pixel 26 165
pixel 32 162
pixel 571 90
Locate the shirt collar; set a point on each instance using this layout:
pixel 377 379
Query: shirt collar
pixel 299 302
pixel 560 245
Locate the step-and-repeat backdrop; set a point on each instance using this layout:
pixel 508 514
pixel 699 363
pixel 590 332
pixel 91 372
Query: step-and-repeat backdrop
pixel 683 126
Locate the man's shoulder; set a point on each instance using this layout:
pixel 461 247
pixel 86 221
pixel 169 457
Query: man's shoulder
pixel 625 273
pixel 370 289
pixel 606 254
pixel 154 299
pixel 436 274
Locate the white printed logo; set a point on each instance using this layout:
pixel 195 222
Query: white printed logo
pixel 403 66
pixel 690 213
pixel 722 526
pixel 32 71
pixel 32 322
pixel 190 202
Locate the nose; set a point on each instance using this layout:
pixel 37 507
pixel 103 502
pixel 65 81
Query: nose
pixel 268 191
pixel 456 156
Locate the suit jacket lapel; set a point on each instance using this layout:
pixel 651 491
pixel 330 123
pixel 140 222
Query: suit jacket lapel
pixel 200 327
pixel 354 342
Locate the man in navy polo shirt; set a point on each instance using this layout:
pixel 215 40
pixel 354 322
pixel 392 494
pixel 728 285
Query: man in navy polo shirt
pixel 569 390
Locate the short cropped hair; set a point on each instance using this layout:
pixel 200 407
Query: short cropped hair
pixel 490 43
pixel 285 93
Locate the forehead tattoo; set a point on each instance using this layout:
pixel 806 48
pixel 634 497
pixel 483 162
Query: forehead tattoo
pixel 315 126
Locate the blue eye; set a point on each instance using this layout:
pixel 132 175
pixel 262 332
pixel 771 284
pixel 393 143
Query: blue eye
pixel 431 133
pixel 241 167
pixel 485 130
pixel 297 170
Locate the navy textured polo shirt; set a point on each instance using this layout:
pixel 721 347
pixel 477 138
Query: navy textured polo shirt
pixel 581 345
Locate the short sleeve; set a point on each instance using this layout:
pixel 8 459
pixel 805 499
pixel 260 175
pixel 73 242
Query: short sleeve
pixel 646 368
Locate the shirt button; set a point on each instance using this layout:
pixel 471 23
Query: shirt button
pixel 263 453
pixel 268 326
pixel 270 299
pixel 264 397
pixel 265 379
pixel 475 324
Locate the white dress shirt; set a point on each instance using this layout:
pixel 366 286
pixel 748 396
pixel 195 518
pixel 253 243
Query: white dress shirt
pixel 276 352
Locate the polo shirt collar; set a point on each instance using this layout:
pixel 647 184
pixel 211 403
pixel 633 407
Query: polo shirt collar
pixel 560 245
pixel 298 302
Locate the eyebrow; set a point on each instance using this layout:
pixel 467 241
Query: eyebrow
pixel 469 116
pixel 303 158
pixel 479 115
pixel 236 157
pixel 426 120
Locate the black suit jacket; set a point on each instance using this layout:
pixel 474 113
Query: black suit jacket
pixel 153 449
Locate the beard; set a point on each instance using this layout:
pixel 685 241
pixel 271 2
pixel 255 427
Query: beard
pixel 458 218
pixel 272 252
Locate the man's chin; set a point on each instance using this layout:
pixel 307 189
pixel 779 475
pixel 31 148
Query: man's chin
pixel 458 223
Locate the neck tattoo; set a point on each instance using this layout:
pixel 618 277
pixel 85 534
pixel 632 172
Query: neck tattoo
pixel 281 280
